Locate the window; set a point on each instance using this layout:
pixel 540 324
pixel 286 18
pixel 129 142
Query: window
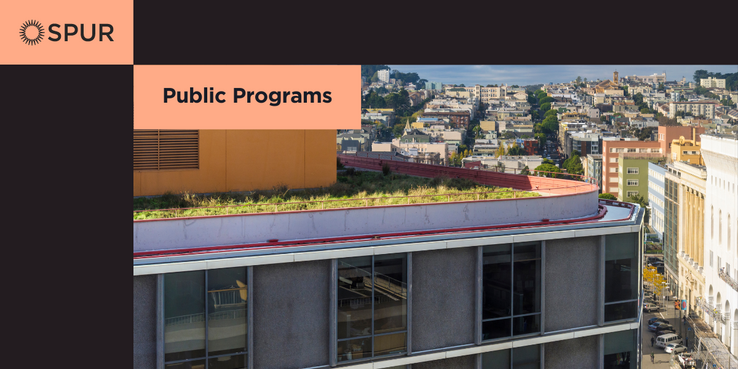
pixel 205 318
pixel 710 258
pixel 632 182
pixel 632 150
pixel 620 349
pixel 511 290
pixel 712 224
pixel 631 193
pixel 621 276
pixel 614 190
pixel 613 160
pixel 720 228
pixel 526 357
pixel 165 149
pixel 372 306
pixel 633 170
pixel 613 179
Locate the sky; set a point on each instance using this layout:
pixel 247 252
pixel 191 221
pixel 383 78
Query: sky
pixel 522 75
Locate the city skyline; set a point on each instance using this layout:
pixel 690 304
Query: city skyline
pixel 537 74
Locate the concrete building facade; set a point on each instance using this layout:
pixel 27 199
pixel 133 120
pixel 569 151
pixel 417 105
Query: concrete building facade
pixel 294 290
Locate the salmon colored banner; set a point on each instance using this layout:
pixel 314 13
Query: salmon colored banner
pixel 246 97
pixel 66 32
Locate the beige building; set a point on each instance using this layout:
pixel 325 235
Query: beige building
pixel 689 182
pixel 419 148
pixel 686 151
pixel 712 82
pixel 697 108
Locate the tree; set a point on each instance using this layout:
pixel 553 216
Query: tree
pixel 545 107
pixel 546 99
pixel 625 88
pixel 500 151
pixel 645 111
pixel 607 196
pixel 398 130
pixel 638 98
pixel 700 74
pixel 578 80
pixel 525 171
pixel 727 102
pixel 551 112
pixel 585 79
pixel 548 168
pixel 516 150
pixel 643 202
pixel 573 165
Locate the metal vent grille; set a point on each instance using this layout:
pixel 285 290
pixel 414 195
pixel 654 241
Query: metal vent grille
pixel 164 149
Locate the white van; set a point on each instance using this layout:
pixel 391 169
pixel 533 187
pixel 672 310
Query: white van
pixel 663 340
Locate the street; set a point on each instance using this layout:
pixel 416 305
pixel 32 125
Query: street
pixel 662 359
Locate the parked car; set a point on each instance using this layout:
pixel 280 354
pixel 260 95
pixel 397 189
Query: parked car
pixel 686 360
pixel 662 331
pixel 657 319
pixel 674 348
pixel 654 326
pixel 650 307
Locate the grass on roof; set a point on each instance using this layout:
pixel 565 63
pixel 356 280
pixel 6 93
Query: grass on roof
pixel 351 190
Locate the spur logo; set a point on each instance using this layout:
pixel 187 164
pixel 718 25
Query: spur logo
pixel 32 32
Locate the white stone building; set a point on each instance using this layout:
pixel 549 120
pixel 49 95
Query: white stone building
pixel 721 236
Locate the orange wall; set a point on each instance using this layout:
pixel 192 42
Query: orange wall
pixel 244 160
pixel 606 155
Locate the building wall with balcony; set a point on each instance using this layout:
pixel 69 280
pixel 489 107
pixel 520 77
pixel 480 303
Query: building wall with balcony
pixel 656 174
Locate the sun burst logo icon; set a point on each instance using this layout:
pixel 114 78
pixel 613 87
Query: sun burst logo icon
pixel 32 32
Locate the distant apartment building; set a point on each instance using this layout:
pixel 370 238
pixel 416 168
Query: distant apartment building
pixel 633 174
pixel 610 159
pixel 652 79
pixel 656 173
pixel 584 142
pixel 704 108
pixel 712 82
pixel 438 86
pixel 384 75
pixel 720 153
pixel 459 119
pixel 593 169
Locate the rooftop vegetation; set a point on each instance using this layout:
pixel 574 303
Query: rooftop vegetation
pixel 352 189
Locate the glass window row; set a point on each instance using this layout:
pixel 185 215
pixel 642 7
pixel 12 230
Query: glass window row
pixel 205 312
